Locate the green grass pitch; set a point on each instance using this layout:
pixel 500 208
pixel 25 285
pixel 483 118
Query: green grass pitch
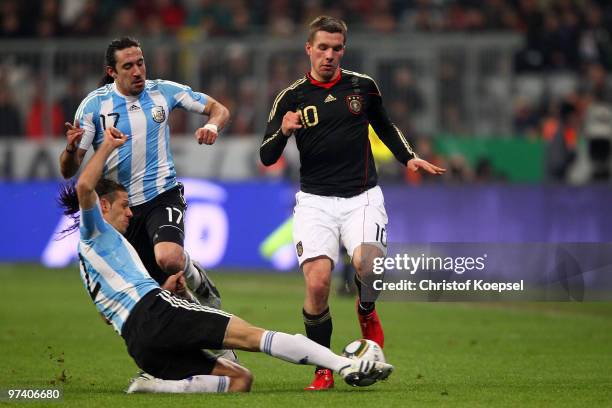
pixel 445 354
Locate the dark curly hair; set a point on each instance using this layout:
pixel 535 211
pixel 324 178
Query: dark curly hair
pixel 69 202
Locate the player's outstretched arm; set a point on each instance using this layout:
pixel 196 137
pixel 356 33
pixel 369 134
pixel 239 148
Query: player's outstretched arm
pixel 86 186
pixel 72 156
pixel 393 138
pixel 218 117
pixel 416 164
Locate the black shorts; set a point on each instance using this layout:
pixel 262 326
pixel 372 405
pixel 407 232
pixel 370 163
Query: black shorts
pixel 158 220
pixel 165 335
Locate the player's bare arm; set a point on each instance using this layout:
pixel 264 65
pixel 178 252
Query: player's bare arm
pixel 218 118
pixel 72 156
pixel 86 186
pixel 393 138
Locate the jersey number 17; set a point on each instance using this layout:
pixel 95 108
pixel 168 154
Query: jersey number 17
pixel 113 115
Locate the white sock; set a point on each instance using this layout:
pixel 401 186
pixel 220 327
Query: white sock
pixel 300 349
pixel 192 275
pixel 207 383
pixel 195 384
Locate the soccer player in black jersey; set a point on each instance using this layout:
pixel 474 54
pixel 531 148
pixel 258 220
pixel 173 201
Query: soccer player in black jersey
pixel 328 111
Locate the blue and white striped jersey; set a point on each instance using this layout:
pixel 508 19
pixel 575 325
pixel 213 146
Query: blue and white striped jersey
pixel 144 164
pixel 111 270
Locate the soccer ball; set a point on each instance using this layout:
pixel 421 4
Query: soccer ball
pixel 364 349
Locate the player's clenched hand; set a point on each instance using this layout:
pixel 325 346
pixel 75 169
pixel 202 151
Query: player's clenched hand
pixel 207 134
pixel 291 122
pixel 114 138
pixel 74 133
pixel 416 164
pixel 176 284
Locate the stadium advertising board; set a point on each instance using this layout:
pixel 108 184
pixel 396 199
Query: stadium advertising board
pixel 247 225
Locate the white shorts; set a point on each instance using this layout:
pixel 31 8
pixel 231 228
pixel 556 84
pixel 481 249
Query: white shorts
pixel 321 224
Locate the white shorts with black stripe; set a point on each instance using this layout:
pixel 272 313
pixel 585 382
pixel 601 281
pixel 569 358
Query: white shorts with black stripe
pixel 321 224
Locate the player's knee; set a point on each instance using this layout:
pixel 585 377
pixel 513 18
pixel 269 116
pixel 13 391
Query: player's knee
pixel 318 290
pixel 363 259
pixel 317 275
pixel 362 269
pixel 170 260
pixel 169 265
pixel 241 380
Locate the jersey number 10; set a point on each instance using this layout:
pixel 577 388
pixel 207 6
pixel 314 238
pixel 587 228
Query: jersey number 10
pixel 309 116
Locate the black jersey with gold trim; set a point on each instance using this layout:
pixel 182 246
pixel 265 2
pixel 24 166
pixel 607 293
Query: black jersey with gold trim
pixel 335 154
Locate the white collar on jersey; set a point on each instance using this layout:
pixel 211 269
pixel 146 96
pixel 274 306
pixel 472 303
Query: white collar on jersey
pixel 129 98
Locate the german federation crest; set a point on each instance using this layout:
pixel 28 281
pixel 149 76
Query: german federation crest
pixel 158 113
pixel 354 104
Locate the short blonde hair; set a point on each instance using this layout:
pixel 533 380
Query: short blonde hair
pixel 328 24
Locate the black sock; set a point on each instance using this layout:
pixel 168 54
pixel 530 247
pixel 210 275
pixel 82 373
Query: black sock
pixel 365 308
pixel 318 327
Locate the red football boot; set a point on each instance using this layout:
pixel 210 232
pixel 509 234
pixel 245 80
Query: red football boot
pixel 323 380
pixel 371 328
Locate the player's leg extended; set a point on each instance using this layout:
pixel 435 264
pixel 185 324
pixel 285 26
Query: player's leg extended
pixel 165 336
pixel 225 376
pixel 298 349
pixel 365 237
pixel 184 328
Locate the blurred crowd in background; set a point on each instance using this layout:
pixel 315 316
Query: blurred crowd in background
pixel 560 73
pixel 553 28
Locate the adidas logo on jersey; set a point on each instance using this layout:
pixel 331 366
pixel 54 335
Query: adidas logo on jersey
pixel 330 98
pixel 133 108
